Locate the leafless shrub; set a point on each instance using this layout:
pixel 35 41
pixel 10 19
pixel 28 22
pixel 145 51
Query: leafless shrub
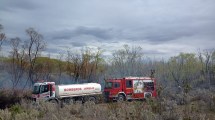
pixel 5 114
pixel 205 98
pixel 26 116
pixel 151 109
pixel 168 108
pixel 90 110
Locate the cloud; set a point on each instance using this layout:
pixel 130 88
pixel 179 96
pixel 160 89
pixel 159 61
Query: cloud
pixel 78 44
pixel 13 6
pixel 79 31
pixel 163 27
pixel 52 50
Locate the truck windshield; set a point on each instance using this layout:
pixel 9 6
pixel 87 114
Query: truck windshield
pixel 36 90
pixel 108 85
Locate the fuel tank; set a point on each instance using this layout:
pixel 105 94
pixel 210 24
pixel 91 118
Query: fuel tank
pixel 78 90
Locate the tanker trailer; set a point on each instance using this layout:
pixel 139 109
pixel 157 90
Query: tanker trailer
pixel 48 91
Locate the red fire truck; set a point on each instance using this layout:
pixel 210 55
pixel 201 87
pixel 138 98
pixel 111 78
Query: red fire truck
pixel 129 88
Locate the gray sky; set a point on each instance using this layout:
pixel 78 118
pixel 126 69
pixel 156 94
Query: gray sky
pixel 161 27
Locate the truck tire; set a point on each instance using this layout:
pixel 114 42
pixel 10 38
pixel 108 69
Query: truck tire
pixel 53 101
pixel 121 98
pixel 69 101
pixel 148 95
pixel 92 99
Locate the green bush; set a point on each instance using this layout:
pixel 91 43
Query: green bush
pixel 16 109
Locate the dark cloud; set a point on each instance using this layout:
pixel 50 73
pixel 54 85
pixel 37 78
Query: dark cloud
pixel 52 50
pixel 79 31
pixel 13 6
pixel 161 27
pixel 78 44
pixel 63 34
pixel 153 52
pixel 97 32
pixel 165 36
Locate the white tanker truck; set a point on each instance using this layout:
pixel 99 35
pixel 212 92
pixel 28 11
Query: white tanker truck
pixel 48 91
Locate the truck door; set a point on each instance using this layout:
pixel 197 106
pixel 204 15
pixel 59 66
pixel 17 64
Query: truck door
pixel 129 89
pixel 44 91
pixel 116 88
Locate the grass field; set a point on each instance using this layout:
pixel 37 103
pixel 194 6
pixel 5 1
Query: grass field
pixel 163 108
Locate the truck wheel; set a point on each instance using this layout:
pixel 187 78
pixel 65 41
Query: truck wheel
pixel 53 101
pixel 120 98
pixel 69 101
pixel 92 99
pixel 148 95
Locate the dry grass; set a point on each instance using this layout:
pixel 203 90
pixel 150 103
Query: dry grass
pixel 136 110
pixel 196 108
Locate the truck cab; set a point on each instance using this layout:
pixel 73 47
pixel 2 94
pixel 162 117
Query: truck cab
pixel 43 90
pixel 113 88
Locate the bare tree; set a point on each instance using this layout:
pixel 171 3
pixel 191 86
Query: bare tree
pixel 35 45
pixel 84 65
pixel 2 36
pixel 17 64
pixel 43 68
pixel 184 70
pixel 73 66
pixel 213 68
pixel 206 59
pixel 94 70
pixel 128 61
pixel 60 67
pixel 49 68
